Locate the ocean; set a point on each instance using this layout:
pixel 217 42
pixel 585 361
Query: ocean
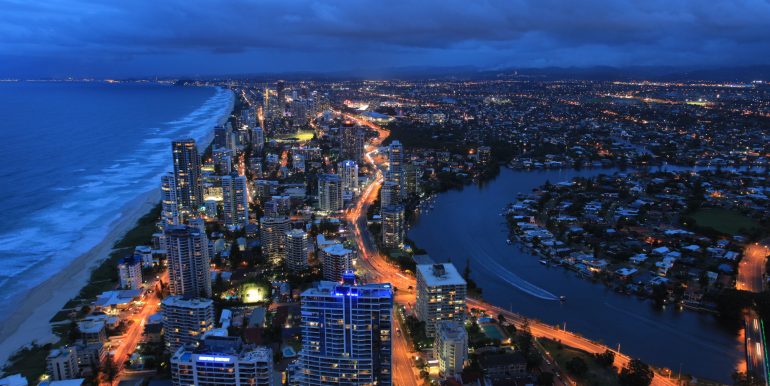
pixel 74 154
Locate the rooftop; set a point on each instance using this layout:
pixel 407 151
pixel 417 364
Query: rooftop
pixel 178 301
pixel 440 274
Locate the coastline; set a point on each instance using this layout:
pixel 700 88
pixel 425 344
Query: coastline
pixel 29 322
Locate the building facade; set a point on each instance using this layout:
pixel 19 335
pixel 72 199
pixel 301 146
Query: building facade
pixel 393 226
pixel 346 334
pixel 187 174
pixel 222 361
pixel 235 201
pixel 329 193
pixel 441 292
pixel 297 250
pixel 187 250
pixel 336 261
pixel 348 172
pixel 272 234
pixel 130 272
pixel 185 320
pixel 450 348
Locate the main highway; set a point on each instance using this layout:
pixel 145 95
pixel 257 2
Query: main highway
pixel 751 277
pixel 375 267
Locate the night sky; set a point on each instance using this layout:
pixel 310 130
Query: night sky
pixel 123 38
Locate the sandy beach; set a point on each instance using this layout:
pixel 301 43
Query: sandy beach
pixel 29 321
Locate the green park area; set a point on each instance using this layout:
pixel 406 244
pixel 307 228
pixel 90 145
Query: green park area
pixel 724 221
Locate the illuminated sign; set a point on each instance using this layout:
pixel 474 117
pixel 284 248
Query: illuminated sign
pixel 213 359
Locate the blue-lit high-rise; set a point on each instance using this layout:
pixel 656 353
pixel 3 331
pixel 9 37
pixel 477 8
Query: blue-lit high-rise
pixel 346 334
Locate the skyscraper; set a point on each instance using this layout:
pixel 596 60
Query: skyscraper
pixel 272 234
pixel 440 295
pixel 329 193
pixel 390 194
pixel 396 159
pixel 188 261
pixel 222 360
pixel 235 201
pixel 187 174
pixel 185 320
pixel 258 139
pixel 450 348
pixel 393 226
pixel 169 204
pixel 346 334
pixel 348 172
pixel 352 140
pixel 336 261
pixel 297 249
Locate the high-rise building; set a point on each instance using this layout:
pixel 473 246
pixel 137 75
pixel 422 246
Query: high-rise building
pixel 440 295
pixel 169 204
pixel 410 179
pixel 235 201
pixel 392 226
pixel 185 320
pixel 352 140
pixel 390 194
pixel 222 361
pixel 62 364
pixel 223 160
pixel 130 272
pixel 187 252
pixel 329 193
pixel 346 334
pixel 396 160
pixel 336 260
pixel 258 139
pixel 348 172
pixel 450 348
pixel 297 250
pixel 187 174
pixel 272 234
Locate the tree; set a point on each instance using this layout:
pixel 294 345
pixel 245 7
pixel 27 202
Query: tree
pixel 577 366
pixel 501 318
pixel 606 359
pixel 637 373
pixel 467 270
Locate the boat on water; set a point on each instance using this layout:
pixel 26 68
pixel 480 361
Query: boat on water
pixel 508 241
pixel 562 298
pixel 543 261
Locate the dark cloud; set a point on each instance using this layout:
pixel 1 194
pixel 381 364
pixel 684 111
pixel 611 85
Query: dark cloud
pixel 138 37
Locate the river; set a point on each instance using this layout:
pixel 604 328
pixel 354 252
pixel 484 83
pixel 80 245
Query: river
pixel 467 224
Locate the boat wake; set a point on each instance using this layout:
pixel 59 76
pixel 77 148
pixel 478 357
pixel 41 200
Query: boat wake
pixel 481 256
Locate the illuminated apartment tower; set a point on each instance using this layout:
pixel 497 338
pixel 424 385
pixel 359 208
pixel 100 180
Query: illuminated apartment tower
pixel 450 348
pixel 235 201
pixel 272 235
pixel 346 334
pixel 169 204
pixel 185 320
pixel 396 168
pixel 329 192
pixel 297 249
pixel 352 140
pixel 223 160
pixel 392 226
pixel 440 295
pixel 222 360
pixel 188 261
pixel 187 175
pixel 336 261
pixel 348 172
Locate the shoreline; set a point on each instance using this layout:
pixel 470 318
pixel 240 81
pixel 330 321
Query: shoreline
pixel 29 321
